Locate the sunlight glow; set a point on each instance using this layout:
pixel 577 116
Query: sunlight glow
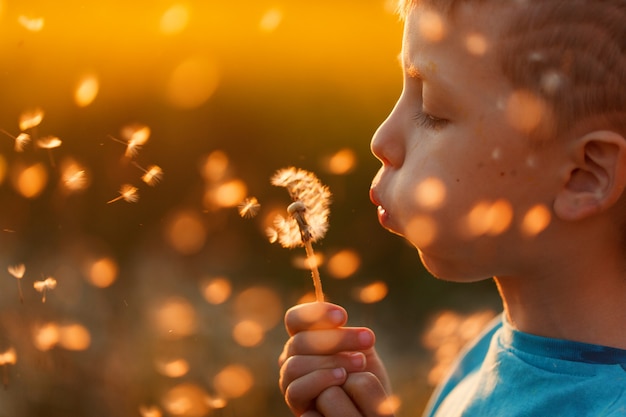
pixel 271 20
pixel 421 230
pixel 525 111
pixel 489 218
pixel 248 333
pixel 260 304
pixel 29 181
pixel 341 162
pixel 431 26
pixel 174 318
pixel 216 290
pixel 476 44
pixel 371 293
pixel 186 400
pixel 102 272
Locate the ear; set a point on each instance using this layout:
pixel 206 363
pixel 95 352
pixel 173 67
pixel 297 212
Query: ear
pixel 596 177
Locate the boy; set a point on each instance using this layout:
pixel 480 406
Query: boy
pixel 504 157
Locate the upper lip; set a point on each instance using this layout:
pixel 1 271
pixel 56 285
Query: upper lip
pixel 374 197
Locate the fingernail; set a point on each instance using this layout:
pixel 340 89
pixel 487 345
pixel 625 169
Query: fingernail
pixel 339 373
pixel 366 338
pixel 336 316
pixel 357 359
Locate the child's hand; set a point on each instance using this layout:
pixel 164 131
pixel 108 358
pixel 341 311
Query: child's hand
pixel 329 369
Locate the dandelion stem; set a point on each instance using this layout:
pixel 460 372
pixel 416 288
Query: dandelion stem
pixel 315 274
pixel 19 290
pixel 297 209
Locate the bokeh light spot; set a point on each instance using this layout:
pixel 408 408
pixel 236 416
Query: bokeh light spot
pixel 233 381
pixel 186 400
pixel 172 367
pixel 372 293
pixel 270 20
pixel 186 232
pixel 489 218
pixel 227 194
pixel 174 20
pixel 29 181
pixel 525 111
pixel 476 44
pixel 192 83
pixel 174 318
pixel 536 219
pixel 248 333
pixel 86 91
pixel 431 26
pixel 261 304
pixel 216 290
pixel 341 162
pixel 102 272
pixel 215 166
pixel 421 230
pixel 74 336
pixel 430 193
pixel 343 264
pixel 33 24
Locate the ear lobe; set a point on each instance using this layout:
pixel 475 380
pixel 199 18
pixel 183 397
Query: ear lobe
pixel 596 178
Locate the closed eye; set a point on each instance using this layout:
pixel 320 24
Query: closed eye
pixel 429 121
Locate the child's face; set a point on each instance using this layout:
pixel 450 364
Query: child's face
pixel 458 180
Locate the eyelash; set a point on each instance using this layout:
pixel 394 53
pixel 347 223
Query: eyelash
pixel 429 121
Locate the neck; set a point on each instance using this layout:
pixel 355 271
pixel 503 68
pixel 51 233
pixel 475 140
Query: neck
pixel 575 303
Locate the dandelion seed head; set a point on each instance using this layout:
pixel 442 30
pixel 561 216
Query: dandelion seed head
pixel 30 118
pixel 304 187
pixel 152 175
pixel 249 207
pixel 17 270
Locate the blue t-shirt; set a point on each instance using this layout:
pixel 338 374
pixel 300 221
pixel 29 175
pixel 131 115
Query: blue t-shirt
pixel 508 373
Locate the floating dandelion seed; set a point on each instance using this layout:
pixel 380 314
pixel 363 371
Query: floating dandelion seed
pixel 45 285
pixel 20 140
pixel 30 118
pixel 128 193
pixel 74 177
pixel 151 175
pixel 49 143
pixel 308 215
pixel 249 207
pixel 18 272
pixel 136 135
pixel 8 357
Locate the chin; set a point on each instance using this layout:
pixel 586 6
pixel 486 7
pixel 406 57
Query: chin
pixel 449 270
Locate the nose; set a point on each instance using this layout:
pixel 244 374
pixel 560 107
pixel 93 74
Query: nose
pixel 388 144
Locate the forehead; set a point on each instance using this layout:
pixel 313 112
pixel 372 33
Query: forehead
pixel 467 35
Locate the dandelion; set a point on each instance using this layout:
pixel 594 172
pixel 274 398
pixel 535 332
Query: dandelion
pixel 249 207
pixel 45 285
pixel 151 175
pixel 18 272
pixel 20 140
pixel 30 118
pixel 308 215
pixel 128 193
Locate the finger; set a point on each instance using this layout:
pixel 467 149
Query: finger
pixel 328 342
pixel 368 394
pixel 297 366
pixel 314 316
pixel 335 402
pixel 300 395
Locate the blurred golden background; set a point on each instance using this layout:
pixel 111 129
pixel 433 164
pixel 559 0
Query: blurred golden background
pixel 130 133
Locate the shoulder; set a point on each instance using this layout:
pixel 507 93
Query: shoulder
pixel 469 360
